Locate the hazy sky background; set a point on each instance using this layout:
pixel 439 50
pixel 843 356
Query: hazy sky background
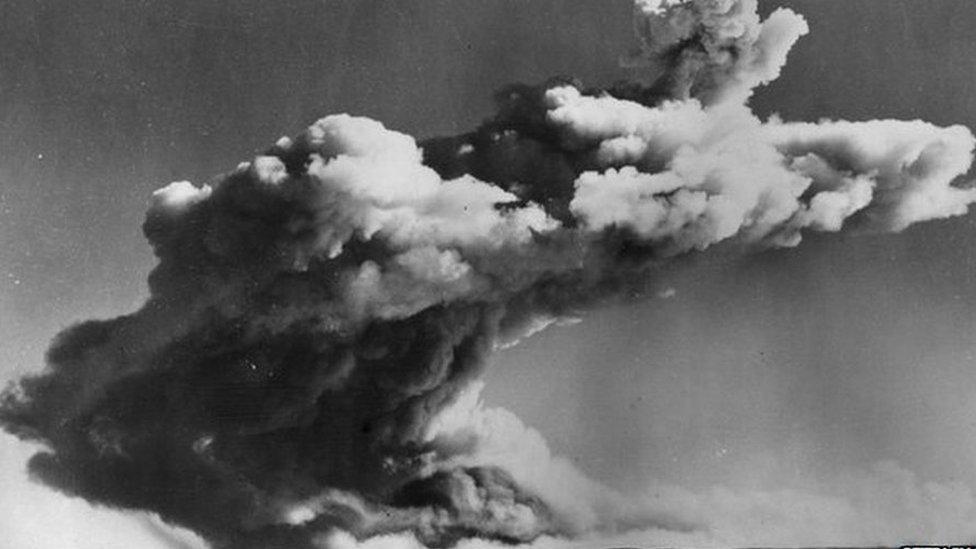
pixel 767 370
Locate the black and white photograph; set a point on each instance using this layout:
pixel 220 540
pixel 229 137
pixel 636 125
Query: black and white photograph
pixel 487 274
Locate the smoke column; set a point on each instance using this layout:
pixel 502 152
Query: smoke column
pixel 305 372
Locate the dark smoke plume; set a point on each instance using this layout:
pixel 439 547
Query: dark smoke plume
pixel 319 318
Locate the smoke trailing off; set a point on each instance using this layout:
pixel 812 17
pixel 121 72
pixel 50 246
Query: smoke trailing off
pixel 319 318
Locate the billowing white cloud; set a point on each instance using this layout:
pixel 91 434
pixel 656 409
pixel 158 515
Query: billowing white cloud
pixel 320 317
